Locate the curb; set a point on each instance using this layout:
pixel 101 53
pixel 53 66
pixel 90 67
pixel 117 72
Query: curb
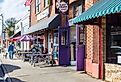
pixel 6 77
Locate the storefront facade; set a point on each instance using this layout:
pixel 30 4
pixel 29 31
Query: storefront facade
pixel 45 21
pixel 98 40
pixel 77 46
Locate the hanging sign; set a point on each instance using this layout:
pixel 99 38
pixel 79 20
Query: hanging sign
pixel 61 6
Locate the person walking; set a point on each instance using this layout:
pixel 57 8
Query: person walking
pixel 11 50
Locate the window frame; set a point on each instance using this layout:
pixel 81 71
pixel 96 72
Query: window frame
pixel 46 3
pixel 37 6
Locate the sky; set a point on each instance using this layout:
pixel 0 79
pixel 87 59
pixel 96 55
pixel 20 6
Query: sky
pixel 12 8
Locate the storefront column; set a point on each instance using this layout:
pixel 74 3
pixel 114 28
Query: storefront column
pixel 102 50
pixel 46 39
pixel 28 44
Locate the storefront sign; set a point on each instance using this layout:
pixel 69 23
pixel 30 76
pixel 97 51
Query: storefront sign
pixel 43 14
pixel 61 6
pixel 119 60
pixel 17 27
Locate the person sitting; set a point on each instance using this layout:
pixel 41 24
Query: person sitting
pixel 33 49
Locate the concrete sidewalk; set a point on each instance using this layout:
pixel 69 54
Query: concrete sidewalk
pixel 1 75
pixel 23 72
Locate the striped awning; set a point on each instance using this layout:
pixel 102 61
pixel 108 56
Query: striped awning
pixel 26 38
pixel 15 38
pixel 101 8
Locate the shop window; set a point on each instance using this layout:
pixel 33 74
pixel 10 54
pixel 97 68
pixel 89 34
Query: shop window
pixel 114 44
pixel 50 2
pixel 18 44
pixel 82 35
pixel 38 6
pixel 64 38
pixel 55 38
pixel 46 3
pixel 77 9
pixel 74 11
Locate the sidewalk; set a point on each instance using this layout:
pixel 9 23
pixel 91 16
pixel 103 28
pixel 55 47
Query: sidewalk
pixel 23 72
pixel 1 75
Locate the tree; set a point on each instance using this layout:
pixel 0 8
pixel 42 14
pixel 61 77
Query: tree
pixel 11 25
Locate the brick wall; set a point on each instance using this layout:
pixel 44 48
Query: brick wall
pixel 92 45
pixel 88 4
pixel 70 12
pixel 112 72
pixel 52 8
pixel 89 33
pixel 89 41
pixel 33 15
pixel 95 44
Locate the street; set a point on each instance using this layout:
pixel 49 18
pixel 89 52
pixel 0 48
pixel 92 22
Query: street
pixel 19 71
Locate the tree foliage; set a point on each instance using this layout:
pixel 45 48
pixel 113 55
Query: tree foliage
pixel 11 25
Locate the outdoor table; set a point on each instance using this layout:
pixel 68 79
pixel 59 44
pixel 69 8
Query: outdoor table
pixel 24 54
pixel 39 57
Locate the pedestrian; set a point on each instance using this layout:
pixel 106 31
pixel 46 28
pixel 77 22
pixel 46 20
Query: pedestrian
pixel 11 50
pixel 33 49
pixel 55 55
pixel 41 48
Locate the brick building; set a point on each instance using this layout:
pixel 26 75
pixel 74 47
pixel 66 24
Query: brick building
pixel 44 25
pixel 102 20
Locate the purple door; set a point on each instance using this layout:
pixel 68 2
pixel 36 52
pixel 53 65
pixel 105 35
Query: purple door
pixel 80 48
pixel 64 45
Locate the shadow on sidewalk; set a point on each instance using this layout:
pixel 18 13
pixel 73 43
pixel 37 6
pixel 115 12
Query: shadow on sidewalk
pixel 9 68
pixel 14 79
pixel 1 73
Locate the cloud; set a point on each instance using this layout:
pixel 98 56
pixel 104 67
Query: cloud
pixel 13 8
pixel 1 1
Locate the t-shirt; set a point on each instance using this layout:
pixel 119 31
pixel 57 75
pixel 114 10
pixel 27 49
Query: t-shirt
pixel 11 47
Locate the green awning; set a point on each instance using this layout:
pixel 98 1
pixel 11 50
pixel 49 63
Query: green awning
pixel 101 8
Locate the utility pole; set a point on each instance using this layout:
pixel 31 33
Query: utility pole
pixel 2 30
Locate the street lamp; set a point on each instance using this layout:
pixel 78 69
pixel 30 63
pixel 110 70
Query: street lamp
pixel 2 30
